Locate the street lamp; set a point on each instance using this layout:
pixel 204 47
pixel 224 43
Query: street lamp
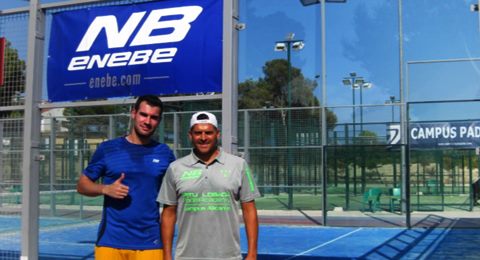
pixel 392 101
pixel 356 82
pixel 287 45
pixel 362 86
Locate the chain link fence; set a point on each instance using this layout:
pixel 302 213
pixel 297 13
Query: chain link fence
pixel 283 147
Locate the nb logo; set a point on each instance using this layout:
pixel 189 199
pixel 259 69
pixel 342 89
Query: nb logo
pixel 149 32
pixel 118 38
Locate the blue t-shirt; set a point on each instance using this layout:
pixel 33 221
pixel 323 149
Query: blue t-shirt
pixel 132 222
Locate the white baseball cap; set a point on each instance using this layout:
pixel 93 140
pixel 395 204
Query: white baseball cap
pixel 203 117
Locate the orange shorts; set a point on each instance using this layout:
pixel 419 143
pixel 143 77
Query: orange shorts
pixel 108 253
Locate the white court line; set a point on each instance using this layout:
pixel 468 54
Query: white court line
pixel 70 225
pixel 324 244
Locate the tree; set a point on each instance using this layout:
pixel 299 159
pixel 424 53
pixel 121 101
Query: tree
pixel 272 90
pixel 96 126
pixel 100 110
pixel 10 94
pixel 14 80
pixel 273 127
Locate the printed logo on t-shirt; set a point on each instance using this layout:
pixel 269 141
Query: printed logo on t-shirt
pixel 206 201
pixel 156 160
pixel 191 175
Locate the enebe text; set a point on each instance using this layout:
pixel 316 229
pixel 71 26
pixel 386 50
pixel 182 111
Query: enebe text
pixel 116 38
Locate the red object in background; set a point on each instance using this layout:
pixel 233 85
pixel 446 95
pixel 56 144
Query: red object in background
pixel 2 60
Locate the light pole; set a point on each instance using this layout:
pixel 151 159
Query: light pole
pixel 362 86
pixel 355 82
pixel 287 45
pixel 392 101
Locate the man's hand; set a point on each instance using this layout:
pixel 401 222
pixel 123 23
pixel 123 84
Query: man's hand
pixel 116 190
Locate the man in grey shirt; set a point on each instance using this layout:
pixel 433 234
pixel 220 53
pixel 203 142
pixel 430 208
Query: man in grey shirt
pixel 201 192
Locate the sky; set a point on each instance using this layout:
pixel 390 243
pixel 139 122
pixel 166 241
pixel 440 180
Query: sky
pixel 362 37
pixel 439 38
pixel 7 4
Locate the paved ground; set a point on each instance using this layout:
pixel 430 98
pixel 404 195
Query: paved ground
pixel 463 219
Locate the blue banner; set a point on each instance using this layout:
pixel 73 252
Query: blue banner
pixel 444 135
pixel 163 48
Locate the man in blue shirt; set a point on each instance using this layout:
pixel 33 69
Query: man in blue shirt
pixel 131 169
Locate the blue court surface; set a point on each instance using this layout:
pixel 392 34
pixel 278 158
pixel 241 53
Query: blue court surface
pixel 69 239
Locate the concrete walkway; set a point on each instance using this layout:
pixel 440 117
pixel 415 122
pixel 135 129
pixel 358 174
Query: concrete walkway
pixel 463 219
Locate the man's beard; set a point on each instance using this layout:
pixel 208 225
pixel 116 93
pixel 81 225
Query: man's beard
pixel 142 135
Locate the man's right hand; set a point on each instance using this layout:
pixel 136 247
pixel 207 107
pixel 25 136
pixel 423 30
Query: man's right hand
pixel 116 190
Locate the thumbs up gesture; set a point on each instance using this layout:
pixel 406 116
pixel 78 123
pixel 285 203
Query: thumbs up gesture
pixel 116 190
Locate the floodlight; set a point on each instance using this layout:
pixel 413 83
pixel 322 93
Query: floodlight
pixel 298 45
pixel 240 26
pixel 312 2
pixel 474 7
pixel 367 85
pixel 309 2
pixel 346 82
pixel 359 81
pixel 280 46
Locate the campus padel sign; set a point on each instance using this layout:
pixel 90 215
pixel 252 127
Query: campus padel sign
pixel 446 134
pixel 164 47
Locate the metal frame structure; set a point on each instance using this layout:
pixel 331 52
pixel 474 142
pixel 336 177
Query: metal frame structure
pixel 31 134
pixel 403 111
pixel 404 95
pixel 230 76
pixel 32 106
pixel 229 96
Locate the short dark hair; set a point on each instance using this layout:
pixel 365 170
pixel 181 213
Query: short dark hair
pixel 151 100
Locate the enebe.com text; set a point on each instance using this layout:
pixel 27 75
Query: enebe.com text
pixel 109 81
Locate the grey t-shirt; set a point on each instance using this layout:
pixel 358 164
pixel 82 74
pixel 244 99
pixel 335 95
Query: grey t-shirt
pixel 207 208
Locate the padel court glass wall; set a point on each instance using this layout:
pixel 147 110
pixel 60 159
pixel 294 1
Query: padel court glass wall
pixel 289 176
pixel 384 59
pixel 385 66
